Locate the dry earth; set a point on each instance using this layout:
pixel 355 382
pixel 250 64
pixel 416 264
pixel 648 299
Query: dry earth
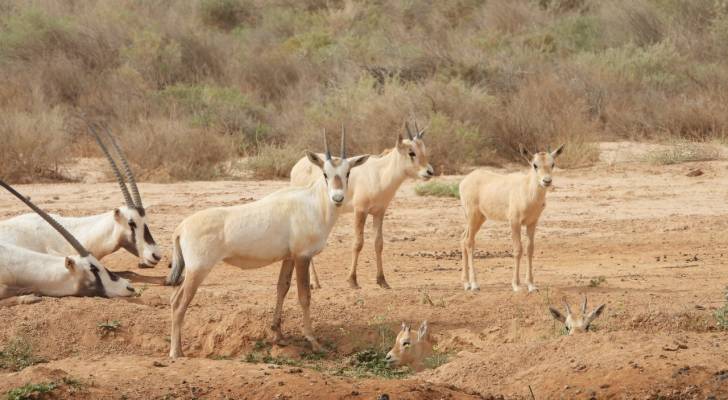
pixel 655 236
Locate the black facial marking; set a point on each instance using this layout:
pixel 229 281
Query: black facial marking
pixel 412 154
pixel 535 166
pixel 133 226
pixel 148 235
pixel 93 288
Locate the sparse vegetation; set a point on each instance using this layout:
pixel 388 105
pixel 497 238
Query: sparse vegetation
pixel 178 81
pixel 721 314
pixel 438 189
pixel 684 152
pixel 18 354
pixel 31 391
pixel 596 282
pixel 108 327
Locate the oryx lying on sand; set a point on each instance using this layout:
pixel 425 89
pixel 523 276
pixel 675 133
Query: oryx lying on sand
pixel 124 227
pixel 290 225
pixel 517 198
pixel 411 350
pixel 26 274
pixel 371 189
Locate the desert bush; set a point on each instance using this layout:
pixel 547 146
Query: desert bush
pixel 438 189
pixel 33 145
pixel 683 152
pixel 273 161
pixel 225 14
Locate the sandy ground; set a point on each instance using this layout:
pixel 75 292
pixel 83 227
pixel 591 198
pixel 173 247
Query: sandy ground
pixel 651 238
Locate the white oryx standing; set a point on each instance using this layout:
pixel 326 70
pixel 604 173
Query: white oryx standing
pixel 26 274
pixel 124 227
pixel 290 225
pixel 517 198
pixel 371 189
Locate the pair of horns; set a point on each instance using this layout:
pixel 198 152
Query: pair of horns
pixel 417 129
pixel 133 200
pixel 52 222
pixel 343 144
pixel 568 308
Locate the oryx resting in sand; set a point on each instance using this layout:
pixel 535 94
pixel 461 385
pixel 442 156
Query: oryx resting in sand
pixel 517 198
pixel 26 274
pixel 124 227
pixel 411 350
pixel 371 189
pixel 574 323
pixel 290 225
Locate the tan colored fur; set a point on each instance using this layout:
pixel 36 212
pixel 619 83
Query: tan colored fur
pixel 517 198
pixel 411 349
pixel 577 323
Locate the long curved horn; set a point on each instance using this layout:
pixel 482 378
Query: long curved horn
pixel 326 147
pixel 129 175
pixel 583 305
pixel 114 167
pixel 343 141
pixel 409 133
pixel 567 307
pixel 52 222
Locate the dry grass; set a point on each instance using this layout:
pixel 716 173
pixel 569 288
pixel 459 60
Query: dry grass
pixel 202 81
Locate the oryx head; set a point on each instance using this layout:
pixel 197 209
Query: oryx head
pixel 336 170
pixel 410 348
pixel 413 150
pixel 131 223
pixel 90 277
pixel 576 323
pixel 542 163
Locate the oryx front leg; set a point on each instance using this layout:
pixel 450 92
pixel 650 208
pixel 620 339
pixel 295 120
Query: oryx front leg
pixel 284 283
pixel 475 221
pixel 517 253
pixel 378 248
pixel 359 219
pixel 531 232
pixel 181 299
pixel 304 298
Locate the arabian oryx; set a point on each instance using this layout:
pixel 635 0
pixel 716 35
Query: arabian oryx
pixel 574 323
pixel 26 274
pixel 124 227
pixel 411 350
pixel 517 198
pixel 290 225
pixel 371 189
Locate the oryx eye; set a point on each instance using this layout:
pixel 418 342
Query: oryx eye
pixel 326 176
pixel 406 344
pixel 132 224
pixel 535 166
pixel 412 154
pixel 347 174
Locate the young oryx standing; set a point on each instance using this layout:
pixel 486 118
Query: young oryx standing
pixel 516 198
pixel 26 274
pixel 291 225
pixel 573 323
pixel 372 188
pixel 103 234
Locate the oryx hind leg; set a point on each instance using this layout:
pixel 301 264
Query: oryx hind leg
pixel 181 299
pixel 467 246
pixel 315 284
pixel 304 298
pixel 11 296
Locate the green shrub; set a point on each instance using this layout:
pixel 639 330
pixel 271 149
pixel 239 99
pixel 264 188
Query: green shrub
pixel 31 391
pixel 438 189
pixel 18 354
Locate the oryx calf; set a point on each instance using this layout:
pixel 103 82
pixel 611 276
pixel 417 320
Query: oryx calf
pixel 290 225
pixel 124 227
pixel 26 274
pixel 411 350
pixel 371 189
pixel 517 198
pixel 575 323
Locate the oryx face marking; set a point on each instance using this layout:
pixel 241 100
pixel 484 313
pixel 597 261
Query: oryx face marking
pixel 416 153
pixel 136 237
pixel 95 280
pixel 543 164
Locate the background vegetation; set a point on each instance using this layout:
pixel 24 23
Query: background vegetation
pixel 189 84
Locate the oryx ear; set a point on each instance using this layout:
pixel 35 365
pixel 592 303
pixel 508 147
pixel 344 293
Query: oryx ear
pixel 400 141
pixel 315 159
pixel 117 215
pixel 557 152
pixel 595 314
pixel 525 153
pixel 70 264
pixel 557 314
pixel 403 327
pixel 357 161
pixel 423 331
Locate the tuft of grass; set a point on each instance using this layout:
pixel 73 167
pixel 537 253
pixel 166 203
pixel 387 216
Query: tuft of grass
pixel 273 162
pixel 438 189
pixel 682 153
pixel 721 314
pixel 371 362
pixel 436 360
pixel 31 391
pixel 107 327
pixel 596 282
pixel 18 354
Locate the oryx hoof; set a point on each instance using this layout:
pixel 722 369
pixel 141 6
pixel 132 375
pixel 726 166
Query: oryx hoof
pixel 383 284
pixel 516 287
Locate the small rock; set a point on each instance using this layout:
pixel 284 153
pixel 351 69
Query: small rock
pixel 158 364
pixel 383 396
pixel 694 173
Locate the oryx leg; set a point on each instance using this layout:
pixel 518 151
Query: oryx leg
pixel 304 298
pixel 467 247
pixel 378 248
pixel 181 299
pixel 359 219
pixel 315 284
pixel 11 296
pixel 531 233
pixel 284 283
pixel 517 253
